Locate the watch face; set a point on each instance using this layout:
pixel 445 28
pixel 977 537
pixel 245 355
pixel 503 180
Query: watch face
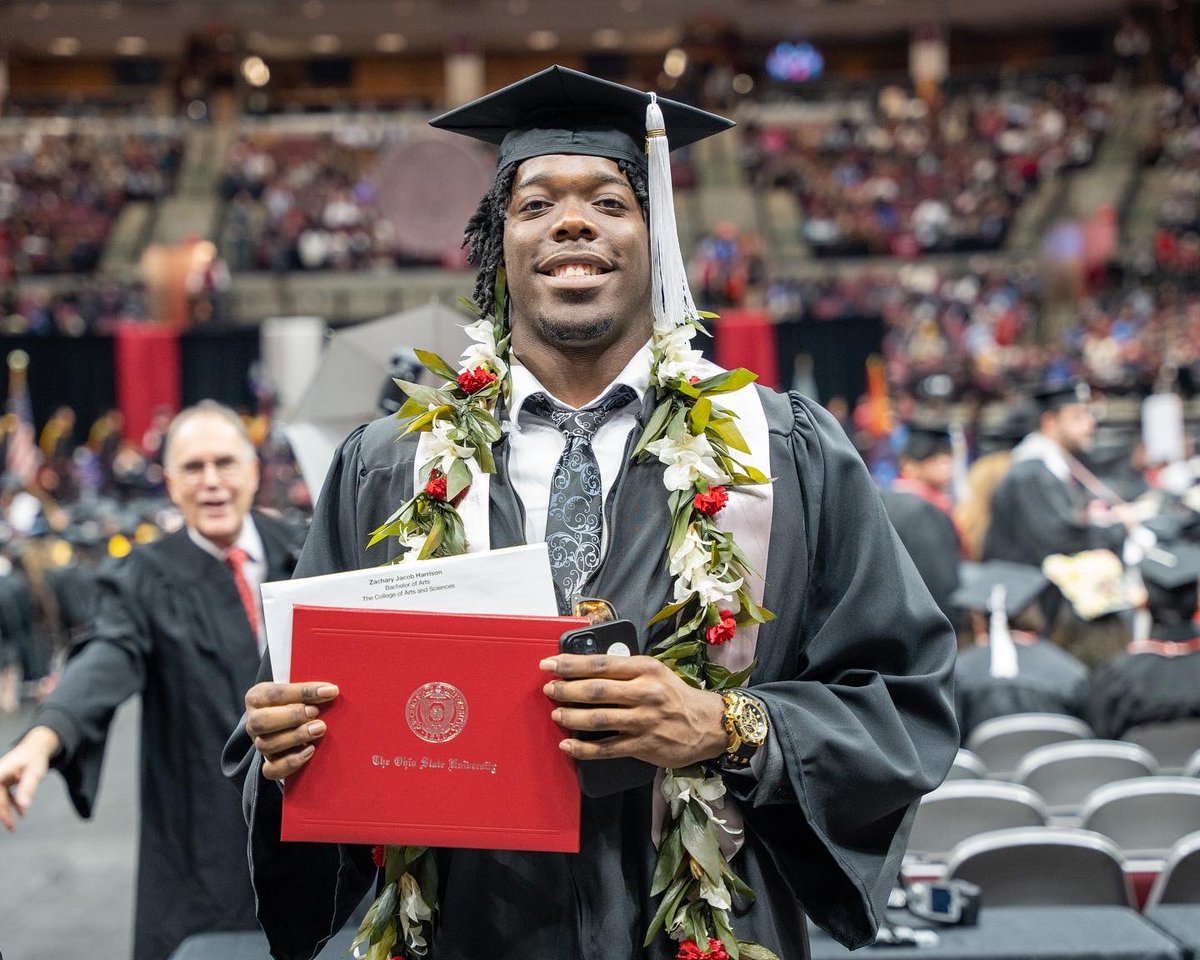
pixel 752 723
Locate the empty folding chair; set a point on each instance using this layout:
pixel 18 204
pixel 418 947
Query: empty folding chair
pixel 1002 742
pixel 955 811
pixel 1042 866
pixel 1179 881
pixel 967 766
pixel 1146 816
pixel 1172 743
pixel 1065 773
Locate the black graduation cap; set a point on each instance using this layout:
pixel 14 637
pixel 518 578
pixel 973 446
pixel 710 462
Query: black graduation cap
pixel 1022 584
pixel 1173 526
pixel 1062 393
pixel 559 110
pixel 1172 567
pixel 924 442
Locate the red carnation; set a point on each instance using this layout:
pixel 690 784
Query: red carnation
pixel 722 632
pixel 711 503
pixel 693 379
pixel 377 855
pixel 436 487
pixel 472 381
pixel 690 950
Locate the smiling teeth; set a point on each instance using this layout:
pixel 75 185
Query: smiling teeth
pixel 575 270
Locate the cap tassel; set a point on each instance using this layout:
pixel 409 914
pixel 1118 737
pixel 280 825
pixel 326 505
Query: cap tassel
pixel 672 297
pixel 1003 663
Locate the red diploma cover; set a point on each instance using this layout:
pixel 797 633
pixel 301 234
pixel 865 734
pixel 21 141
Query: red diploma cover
pixel 441 735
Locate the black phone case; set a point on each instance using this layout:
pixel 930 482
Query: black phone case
pixel 599 778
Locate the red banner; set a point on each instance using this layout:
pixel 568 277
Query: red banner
pixel 147 368
pixel 746 338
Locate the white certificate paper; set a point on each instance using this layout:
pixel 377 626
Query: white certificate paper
pixel 514 580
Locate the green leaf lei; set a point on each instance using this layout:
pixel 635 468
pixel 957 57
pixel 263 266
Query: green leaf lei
pixel 695 437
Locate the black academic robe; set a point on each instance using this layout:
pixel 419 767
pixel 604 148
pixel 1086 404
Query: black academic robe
pixel 20 642
pixel 1035 514
pixel 854 672
pixel 1048 680
pixel 931 539
pixel 1137 688
pixel 170 625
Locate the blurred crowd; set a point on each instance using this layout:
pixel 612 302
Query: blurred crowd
pixel 889 175
pixel 1174 146
pixel 94 305
pixel 303 203
pixel 60 193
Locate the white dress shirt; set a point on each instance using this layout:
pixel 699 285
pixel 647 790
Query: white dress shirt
pixel 535 444
pixel 254 569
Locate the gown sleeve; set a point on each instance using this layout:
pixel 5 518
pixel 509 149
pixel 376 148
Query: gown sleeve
pixel 105 669
pixel 866 724
pixel 304 891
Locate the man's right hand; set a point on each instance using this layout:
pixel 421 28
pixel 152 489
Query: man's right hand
pixel 22 770
pixel 282 719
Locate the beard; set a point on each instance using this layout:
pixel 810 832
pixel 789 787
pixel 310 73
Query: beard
pixel 567 333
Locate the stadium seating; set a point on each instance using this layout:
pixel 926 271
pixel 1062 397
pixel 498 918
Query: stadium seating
pixel 1042 866
pixel 956 811
pixel 966 766
pixel 1171 743
pixel 1179 881
pixel 1001 743
pixel 1144 816
pixel 1192 769
pixel 1065 773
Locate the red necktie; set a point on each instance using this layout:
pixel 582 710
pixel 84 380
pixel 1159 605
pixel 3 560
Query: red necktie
pixel 236 558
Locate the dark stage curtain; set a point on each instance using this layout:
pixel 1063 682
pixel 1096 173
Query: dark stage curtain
pixel 839 349
pixel 78 372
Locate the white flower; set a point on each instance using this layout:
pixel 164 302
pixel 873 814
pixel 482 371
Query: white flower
pixel 415 543
pixel 717 895
pixel 686 459
pixel 712 590
pixel 692 557
pixel 444 446
pixel 482 353
pixel 413 912
pixel 678 359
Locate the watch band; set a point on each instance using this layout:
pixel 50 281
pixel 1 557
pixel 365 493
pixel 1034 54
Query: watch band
pixel 746 724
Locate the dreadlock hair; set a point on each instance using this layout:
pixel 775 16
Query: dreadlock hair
pixel 484 236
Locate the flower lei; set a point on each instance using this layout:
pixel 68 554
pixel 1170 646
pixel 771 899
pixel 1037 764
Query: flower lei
pixel 694 437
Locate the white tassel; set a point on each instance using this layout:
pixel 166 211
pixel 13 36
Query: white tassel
pixel 671 295
pixel 1003 663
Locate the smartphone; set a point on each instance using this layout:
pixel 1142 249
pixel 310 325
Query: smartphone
pixel 598 778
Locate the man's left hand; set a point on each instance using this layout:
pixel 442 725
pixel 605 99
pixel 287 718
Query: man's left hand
pixel 655 716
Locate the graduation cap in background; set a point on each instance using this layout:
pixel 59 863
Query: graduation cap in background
pixel 559 110
pixel 1171 575
pixel 924 442
pixel 1172 567
pixel 1063 393
pixel 1172 526
pixel 1022 584
pixel 1002 590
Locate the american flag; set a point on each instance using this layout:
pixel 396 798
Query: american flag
pixel 23 457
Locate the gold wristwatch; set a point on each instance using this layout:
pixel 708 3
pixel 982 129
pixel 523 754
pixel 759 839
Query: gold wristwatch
pixel 746 726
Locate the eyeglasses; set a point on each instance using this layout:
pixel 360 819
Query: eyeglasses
pixel 194 471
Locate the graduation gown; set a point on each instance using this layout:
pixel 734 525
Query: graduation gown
pixel 854 672
pixel 1035 514
pixel 170 625
pixel 1137 688
pixel 1048 680
pixel 931 539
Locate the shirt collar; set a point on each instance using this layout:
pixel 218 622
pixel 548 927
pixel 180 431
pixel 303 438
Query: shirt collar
pixel 524 384
pixel 248 540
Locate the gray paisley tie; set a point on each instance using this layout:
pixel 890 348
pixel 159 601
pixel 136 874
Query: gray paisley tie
pixel 575 518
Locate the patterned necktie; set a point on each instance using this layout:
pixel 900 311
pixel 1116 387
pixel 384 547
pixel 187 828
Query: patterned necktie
pixel 575 519
pixel 237 558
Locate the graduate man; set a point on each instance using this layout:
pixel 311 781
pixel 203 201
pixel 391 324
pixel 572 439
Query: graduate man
pixel 920 508
pixel 1047 503
pixel 851 684
pixel 177 622
pixel 1156 680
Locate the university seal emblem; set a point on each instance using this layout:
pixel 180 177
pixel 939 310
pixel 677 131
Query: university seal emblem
pixel 436 712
